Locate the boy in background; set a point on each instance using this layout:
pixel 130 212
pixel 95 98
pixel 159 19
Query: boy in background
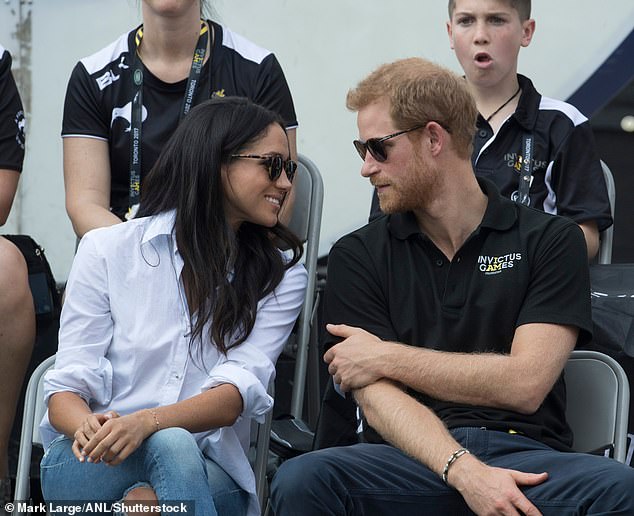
pixel 567 179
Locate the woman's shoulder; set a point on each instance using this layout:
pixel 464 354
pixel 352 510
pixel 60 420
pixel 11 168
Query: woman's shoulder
pixel 296 274
pixel 109 239
pixel 115 54
pixel 239 45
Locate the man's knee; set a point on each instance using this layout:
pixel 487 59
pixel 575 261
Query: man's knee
pixel 620 489
pixel 303 482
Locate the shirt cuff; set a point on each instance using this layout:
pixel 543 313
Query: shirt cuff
pixel 89 383
pixel 256 402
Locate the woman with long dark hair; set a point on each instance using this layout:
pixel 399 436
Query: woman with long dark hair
pixel 173 322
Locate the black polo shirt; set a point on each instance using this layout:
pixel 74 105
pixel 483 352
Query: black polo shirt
pixel 520 266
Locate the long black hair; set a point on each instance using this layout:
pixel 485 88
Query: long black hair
pixel 226 272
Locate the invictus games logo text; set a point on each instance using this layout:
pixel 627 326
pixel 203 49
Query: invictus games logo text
pixel 496 264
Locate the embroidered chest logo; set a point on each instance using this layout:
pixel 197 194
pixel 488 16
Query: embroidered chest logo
pixel 496 264
pixel 514 160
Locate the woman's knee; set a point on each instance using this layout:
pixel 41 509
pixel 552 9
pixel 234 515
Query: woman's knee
pixel 172 439
pixel 175 446
pixel 139 500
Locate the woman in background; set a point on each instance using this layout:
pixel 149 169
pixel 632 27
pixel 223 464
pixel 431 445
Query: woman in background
pixel 17 314
pixel 124 102
pixel 173 322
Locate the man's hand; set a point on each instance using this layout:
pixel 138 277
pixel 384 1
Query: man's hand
pixel 355 361
pixel 119 437
pixel 493 491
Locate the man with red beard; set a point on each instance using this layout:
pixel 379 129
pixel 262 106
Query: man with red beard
pixel 451 319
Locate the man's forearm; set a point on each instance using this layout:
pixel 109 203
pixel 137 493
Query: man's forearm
pixel 518 381
pixel 424 436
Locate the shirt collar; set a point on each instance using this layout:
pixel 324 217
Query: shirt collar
pixel 528 105
pixel 500 214
pixel 160 224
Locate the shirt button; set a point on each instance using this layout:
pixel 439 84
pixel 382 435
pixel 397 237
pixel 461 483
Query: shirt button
pixel 482 133
pixel 458 259
pixel 439 263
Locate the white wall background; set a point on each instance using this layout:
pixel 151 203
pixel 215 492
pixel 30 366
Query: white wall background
pixel 325 48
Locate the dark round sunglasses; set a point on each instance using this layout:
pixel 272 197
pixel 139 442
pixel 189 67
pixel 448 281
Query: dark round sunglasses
pixel 376 146
pixel 274 164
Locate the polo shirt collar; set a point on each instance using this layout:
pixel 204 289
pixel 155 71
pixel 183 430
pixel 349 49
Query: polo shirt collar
pixel 528 105
pixel 500 214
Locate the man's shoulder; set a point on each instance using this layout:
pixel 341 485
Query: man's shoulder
pixel 533 217
pixel 540 230
pixel 372 235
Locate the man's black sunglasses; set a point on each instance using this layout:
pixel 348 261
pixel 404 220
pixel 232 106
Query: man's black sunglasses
pixel 275 164
pixel 376 147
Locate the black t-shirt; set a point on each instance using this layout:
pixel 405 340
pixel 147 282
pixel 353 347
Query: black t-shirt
pixel 520 266
pixel 100 92
pixel 12 121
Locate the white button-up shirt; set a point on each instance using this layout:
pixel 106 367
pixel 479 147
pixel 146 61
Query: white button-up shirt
pixel 124 338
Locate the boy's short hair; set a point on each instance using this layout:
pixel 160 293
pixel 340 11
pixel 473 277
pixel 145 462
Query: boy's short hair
pixel 419 91
pixel 523 7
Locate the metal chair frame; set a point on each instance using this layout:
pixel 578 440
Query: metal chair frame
pixel 606 236
pixel 306 224
pixel 598 401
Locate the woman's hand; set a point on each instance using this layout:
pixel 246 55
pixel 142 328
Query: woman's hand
pixel 119 437
pixel 89 427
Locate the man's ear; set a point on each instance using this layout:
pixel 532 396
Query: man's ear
pixel 436 137
pixel 450 34
pixel 528 28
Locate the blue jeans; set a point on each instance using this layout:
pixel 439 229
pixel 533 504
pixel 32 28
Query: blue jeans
pixel 378 479
pixel 169 461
